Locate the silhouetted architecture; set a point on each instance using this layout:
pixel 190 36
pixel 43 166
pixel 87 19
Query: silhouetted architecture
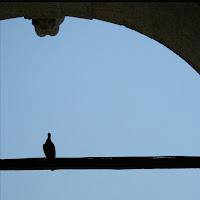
pixel 176 25
pixel 115 163
pixel 49 148
pixel 47 26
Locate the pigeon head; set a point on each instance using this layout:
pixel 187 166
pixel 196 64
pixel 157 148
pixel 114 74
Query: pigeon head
pixel 49 135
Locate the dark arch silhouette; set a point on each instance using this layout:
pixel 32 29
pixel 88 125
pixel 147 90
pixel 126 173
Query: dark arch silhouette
pixel 176 25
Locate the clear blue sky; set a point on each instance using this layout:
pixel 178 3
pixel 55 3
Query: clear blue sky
pixel 102 90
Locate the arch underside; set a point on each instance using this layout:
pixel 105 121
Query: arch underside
pixel 176 25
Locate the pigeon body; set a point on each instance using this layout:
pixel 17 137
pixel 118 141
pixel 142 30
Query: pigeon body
pixel 49 148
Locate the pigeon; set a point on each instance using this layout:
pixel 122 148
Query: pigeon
pixel 49 148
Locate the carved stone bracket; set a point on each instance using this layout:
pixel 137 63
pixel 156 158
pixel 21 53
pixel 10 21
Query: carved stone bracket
pixel 47 26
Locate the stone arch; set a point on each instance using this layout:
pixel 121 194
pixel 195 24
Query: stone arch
pixel 176 25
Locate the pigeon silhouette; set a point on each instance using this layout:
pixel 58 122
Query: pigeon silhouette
pixel 49 148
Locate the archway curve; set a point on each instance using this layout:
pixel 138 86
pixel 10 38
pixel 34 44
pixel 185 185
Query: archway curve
pixel 175 25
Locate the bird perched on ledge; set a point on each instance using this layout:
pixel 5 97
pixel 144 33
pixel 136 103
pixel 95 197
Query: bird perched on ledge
pixel 49 148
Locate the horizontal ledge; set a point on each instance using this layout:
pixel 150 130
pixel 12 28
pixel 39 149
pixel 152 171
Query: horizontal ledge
pixel 117 163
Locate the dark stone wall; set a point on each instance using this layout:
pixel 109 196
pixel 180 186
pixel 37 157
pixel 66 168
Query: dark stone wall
pixel 176 25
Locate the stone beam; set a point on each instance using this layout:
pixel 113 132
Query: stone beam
pixel 117 163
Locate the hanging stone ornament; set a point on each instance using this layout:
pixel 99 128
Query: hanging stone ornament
pixel 47 26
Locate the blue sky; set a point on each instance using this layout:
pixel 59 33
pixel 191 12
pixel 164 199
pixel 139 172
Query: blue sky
pixel 102 90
